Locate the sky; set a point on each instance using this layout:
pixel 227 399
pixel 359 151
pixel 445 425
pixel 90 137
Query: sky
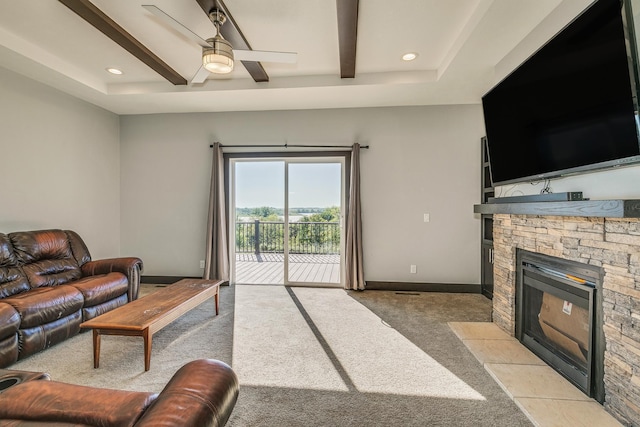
pixel 261 183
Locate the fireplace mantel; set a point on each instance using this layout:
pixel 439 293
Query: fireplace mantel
pixel 582 208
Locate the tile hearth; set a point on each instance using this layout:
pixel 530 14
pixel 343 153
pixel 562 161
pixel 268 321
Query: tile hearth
pixel 541 393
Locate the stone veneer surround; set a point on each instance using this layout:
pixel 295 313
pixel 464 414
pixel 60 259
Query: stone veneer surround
pixel 611 243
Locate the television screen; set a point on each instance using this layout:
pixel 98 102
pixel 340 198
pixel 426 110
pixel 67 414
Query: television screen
pixel 569 107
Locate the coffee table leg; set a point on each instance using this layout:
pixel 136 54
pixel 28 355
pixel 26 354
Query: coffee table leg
pixel 96 348
pixel 147 349
pixel 217 298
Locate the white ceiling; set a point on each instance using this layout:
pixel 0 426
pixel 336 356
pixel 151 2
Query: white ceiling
pixel 464 47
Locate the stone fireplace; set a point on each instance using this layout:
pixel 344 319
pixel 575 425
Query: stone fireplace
pixel 611 244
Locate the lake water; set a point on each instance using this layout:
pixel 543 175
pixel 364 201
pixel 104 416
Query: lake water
pixel 292 218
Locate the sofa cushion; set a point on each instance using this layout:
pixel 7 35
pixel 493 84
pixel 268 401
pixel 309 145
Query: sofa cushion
pixel 79 249
pixel 31 246
pixel 12 281
pixel 67 403
pixel 9 320
pixel 47 257
pixel 49 272
pixel 7 255
pixel 44 305
pixel 101 288
pixel 89 313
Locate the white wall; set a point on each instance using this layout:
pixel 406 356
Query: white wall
pixel 422 160
pixel 618 183
pixel 60 164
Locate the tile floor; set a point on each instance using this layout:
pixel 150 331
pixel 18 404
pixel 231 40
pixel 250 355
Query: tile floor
pixel 541 393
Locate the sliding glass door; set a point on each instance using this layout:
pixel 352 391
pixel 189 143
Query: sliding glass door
pixel 288 221
pixel 258 230
pixel 314 222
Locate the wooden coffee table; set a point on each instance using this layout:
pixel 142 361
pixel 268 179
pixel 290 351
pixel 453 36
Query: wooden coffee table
pixel 147 315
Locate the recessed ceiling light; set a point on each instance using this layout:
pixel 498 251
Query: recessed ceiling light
pixel 114 71
pixel 409 56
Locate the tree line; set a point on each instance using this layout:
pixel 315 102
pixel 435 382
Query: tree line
pixel 317 233
pixel 271 214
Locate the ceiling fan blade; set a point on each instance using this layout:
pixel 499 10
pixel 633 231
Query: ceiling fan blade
pixel 265 56
pixel 168 19
pixel 200 76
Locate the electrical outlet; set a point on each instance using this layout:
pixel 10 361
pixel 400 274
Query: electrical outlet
pixel 413 269
pixel 201 263
pixel 426 217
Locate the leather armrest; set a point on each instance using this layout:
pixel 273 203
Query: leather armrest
pixel 201 393
pixel 37 402
pixel 130 267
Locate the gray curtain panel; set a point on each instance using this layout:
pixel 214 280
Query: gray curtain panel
pixel 353 246
pixel 217 254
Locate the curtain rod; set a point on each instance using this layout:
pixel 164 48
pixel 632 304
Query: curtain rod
pixel 289 145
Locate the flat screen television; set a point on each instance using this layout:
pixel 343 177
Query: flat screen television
pixel 571 107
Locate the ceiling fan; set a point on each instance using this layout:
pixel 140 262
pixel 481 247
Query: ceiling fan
pixel 218 56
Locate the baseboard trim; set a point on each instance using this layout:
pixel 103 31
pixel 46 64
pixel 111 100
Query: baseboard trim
pixel 371 285
pixel 423 287
pixel 164 280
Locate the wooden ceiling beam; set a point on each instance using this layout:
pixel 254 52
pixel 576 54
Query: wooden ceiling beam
pixel 232 33
pixel 94 16
pixel 347 36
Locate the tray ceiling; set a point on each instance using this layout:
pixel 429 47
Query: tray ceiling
pixel 463 47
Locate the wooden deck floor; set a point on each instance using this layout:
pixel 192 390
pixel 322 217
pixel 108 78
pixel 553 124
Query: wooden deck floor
pixel 268 269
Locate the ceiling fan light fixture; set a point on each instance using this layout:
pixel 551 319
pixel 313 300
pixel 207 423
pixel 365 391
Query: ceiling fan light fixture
pixel 219 57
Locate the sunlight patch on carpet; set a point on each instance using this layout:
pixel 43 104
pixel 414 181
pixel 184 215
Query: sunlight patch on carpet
pixel 273 346
pixel 376 357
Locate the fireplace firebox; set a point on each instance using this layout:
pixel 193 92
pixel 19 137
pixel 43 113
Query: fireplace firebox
pixel 559 317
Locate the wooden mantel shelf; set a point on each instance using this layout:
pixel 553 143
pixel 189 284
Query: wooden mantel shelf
pixel 587 208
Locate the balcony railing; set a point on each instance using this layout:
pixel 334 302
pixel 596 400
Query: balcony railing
pixel 304 237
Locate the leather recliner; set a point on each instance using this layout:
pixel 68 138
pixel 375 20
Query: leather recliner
pixel 200 394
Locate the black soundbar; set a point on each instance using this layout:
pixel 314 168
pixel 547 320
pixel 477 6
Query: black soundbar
pixel 546 197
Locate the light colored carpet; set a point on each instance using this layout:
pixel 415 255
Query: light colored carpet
pixel 314 357
pixel 274 347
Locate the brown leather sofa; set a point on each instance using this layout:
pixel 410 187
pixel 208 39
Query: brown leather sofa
pixel 202 393
pixel 49 285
